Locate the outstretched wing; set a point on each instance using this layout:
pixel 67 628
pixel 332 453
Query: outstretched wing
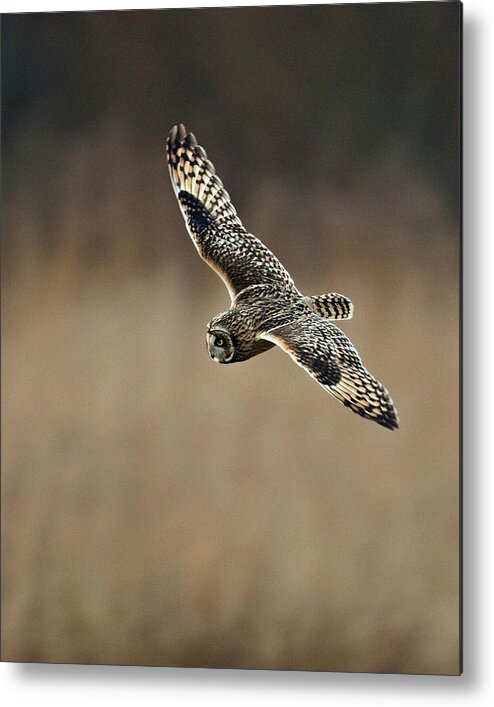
pixel 330 358
pixel 238 257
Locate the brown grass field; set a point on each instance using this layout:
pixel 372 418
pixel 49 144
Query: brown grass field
pixel 161 509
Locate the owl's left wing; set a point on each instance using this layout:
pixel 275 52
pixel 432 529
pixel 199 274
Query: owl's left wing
pixel 326 354
pixel 238 257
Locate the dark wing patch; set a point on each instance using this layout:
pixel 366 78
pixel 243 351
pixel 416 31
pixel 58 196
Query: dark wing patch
pixel 238 257
pixel 198 217
pixel 330 358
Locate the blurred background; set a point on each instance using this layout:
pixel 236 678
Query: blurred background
pixel 158 508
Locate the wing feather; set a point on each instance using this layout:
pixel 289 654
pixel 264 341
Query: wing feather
pixel 328 356
pixel 239 258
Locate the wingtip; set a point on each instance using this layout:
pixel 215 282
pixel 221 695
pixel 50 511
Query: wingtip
pixel 391 421
pixel 172 134
pixel 178 135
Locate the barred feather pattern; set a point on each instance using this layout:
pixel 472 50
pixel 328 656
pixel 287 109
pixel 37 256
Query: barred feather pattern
pixel 193 173
pixel 329 357
pixel 331 306
pixel 238 257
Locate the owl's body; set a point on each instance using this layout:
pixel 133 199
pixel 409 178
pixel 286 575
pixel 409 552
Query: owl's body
pixel 255 310
pixel 266 307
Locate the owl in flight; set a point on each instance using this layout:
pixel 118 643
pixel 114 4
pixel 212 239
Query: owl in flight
pixel 266 307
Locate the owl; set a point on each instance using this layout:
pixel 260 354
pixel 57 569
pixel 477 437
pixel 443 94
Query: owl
pixel 266 307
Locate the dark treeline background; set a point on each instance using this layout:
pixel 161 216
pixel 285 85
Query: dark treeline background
pixel 157 508
pixel 314 93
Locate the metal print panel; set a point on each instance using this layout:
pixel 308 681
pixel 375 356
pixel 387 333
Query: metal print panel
pixel 161 505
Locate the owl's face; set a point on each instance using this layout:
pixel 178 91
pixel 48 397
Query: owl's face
pixel 220 345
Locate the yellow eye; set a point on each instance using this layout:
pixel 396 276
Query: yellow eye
pixel 219 341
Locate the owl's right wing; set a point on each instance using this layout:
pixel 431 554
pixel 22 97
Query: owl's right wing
pixel 328 356
pixel 238 257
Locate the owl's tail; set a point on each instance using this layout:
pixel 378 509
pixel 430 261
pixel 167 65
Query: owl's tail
pixel 331 306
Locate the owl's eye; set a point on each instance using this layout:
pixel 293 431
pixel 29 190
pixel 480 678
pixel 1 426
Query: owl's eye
pixel 219 341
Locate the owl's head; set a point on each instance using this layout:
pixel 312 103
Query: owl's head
pixel 220 345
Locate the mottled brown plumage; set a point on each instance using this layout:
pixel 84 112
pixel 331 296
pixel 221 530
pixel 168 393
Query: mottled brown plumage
pixel 266 307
